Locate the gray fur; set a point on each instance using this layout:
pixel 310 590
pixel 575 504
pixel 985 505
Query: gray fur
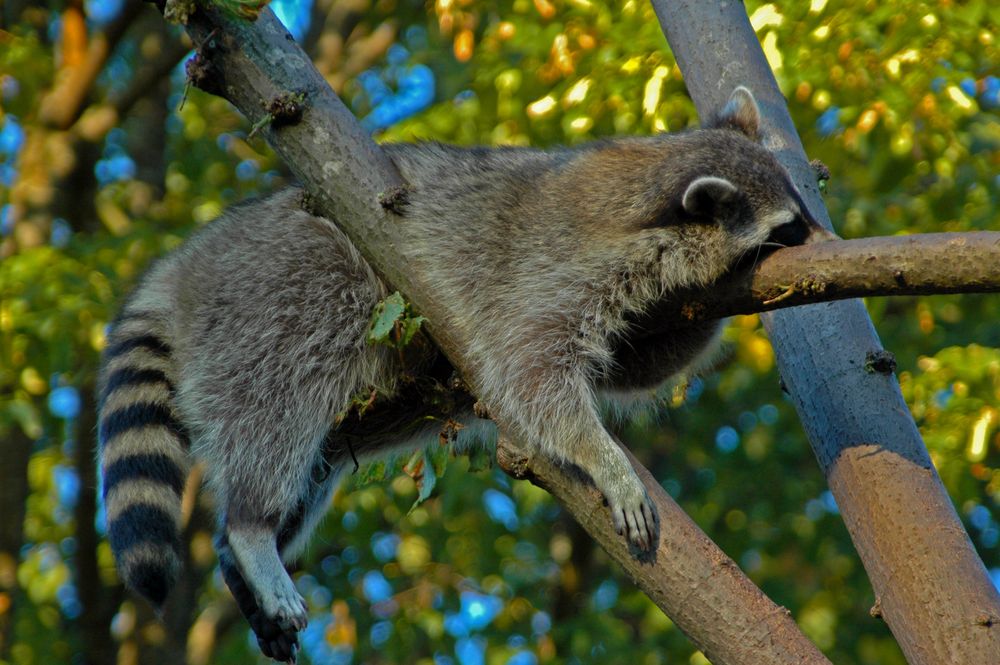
pixel 549 262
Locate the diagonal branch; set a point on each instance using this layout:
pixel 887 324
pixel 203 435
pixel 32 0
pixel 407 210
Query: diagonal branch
pixel 688 577
pixel 352 182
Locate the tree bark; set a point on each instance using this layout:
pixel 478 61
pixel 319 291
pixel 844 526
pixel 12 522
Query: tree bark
pixel 687 576
pixel 352 182
pixel 926 264
pixel 931 587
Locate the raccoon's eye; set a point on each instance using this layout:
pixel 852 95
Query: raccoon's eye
pixel 790 233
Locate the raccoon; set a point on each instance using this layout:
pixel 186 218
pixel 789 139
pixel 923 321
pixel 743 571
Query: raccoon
pixel 243 346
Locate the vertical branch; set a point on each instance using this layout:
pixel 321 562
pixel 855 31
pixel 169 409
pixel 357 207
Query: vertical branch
pixel 931 587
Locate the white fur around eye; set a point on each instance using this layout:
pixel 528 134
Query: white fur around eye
pixel 773 220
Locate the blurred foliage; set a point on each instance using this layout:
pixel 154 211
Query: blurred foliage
pixel 899 99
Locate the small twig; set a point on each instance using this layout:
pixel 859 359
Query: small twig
pixel 788 293
pixel 285 109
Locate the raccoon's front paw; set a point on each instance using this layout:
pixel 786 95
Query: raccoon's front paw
pixel 632 512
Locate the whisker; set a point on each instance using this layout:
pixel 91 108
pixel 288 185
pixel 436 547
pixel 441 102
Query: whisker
pixel 756 259
pixel 769 244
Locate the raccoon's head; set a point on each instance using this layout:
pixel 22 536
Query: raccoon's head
pixel 738 201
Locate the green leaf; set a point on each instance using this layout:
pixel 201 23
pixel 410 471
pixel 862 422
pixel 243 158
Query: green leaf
pixel 428 482
pixel 384 319
pixel 410 327
pixel 393 322
pixel 421 469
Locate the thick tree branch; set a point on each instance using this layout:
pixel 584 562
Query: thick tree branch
pixel 353 183
pixel 928 264
pixel 693 581
pixel 934 591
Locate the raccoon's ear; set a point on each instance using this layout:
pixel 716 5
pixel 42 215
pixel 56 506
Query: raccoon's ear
pixel 740 113
pixel 704 196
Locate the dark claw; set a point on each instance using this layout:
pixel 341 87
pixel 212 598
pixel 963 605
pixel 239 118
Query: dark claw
pixel 286 649
pixel 274 641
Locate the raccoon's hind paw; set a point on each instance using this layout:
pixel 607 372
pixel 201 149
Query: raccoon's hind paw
pixel 274 641
pixel 285 607
pixel 277 624
pixel 634 515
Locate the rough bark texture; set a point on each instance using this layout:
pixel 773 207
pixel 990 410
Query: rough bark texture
pixel 251 65
pixel 932 588
pixel 694 582
pixel 931 263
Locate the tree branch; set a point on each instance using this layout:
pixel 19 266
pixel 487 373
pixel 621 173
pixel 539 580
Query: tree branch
pixel 927 264
pixel 694 582
pixel 935 593
pixel 351 181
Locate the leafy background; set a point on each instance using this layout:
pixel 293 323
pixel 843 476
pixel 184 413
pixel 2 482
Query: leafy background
pixel 899 99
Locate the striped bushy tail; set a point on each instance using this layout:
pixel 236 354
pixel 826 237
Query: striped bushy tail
pixel 143 456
